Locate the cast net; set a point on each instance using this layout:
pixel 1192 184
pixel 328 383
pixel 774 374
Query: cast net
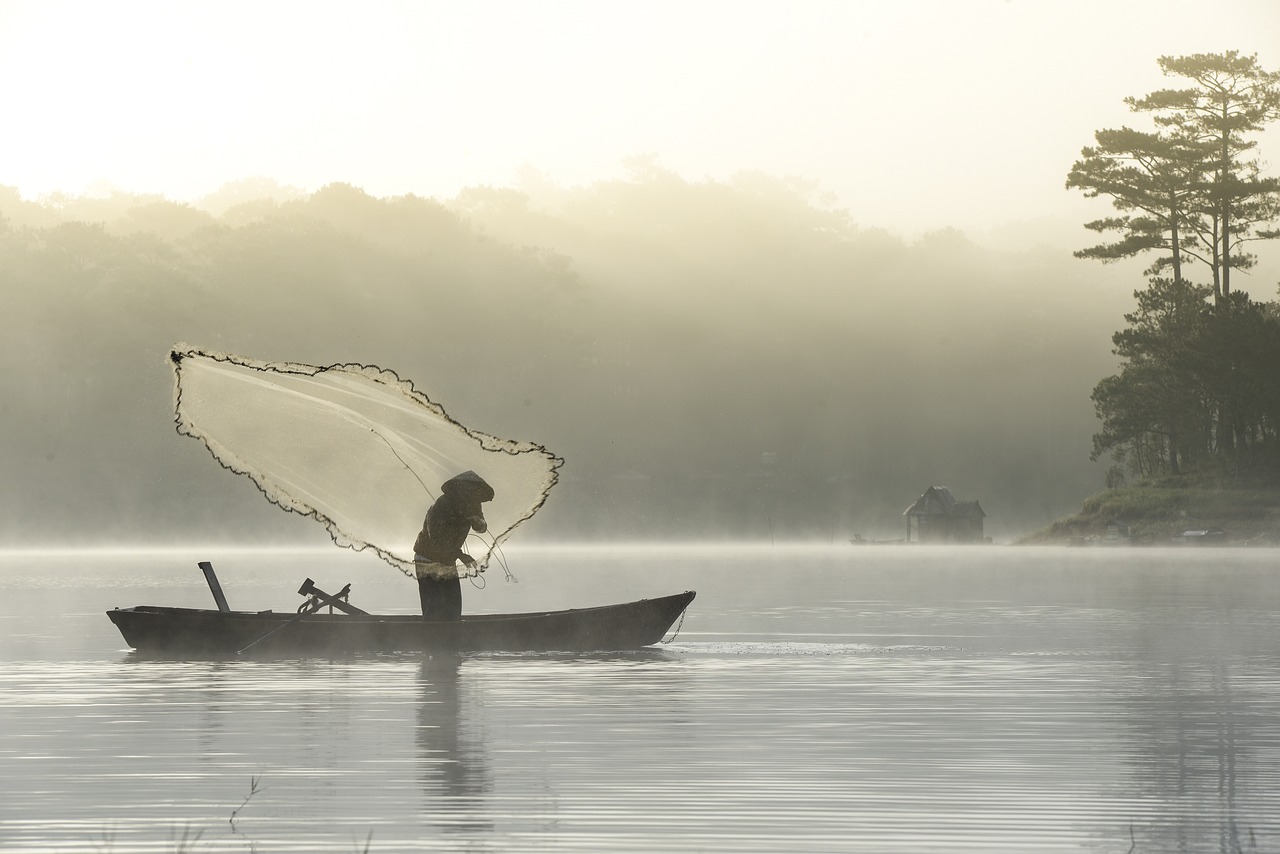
pixel 354 447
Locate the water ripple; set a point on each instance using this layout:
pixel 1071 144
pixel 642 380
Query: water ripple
pixel 1047 723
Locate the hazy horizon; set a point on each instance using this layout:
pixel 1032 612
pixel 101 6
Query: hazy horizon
pixel 913 116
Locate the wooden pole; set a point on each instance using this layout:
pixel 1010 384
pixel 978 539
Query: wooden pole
pixel 214 586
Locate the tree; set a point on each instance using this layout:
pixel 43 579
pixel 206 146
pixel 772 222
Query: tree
pixel 1197 381
pixel 1237 357
pixel 1232 97
pixel 1152 178
pixel 1156 408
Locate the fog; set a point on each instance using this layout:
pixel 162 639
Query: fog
pixel 757 271
pixel 714 360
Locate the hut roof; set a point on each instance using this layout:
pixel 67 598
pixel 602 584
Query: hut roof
pixel 938 501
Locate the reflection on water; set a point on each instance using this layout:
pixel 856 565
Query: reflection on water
pixel 1202 743
pixel 450 741
pixel 886 700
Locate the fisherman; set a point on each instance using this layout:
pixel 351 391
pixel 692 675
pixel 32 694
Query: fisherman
pixel 450 520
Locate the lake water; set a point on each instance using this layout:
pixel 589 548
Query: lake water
pixel 816 698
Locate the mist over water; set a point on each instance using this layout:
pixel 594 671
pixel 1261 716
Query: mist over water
pixel 815 698
pixel 722 361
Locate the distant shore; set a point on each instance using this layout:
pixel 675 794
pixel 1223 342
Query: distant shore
pixel 1173 510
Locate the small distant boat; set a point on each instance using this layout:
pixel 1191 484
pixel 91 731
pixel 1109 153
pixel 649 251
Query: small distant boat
pixel 1202 537
pixel 186 631
pixel 859 540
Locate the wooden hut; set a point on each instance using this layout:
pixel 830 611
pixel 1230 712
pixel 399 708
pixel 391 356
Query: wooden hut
pixel 937 517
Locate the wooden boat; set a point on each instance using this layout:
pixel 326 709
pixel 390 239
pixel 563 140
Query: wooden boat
pixel 157 629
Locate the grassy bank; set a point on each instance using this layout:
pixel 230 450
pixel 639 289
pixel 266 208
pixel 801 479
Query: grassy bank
pixel 1156 512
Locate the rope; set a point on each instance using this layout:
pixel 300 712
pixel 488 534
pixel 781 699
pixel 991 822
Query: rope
pixel 491 545
pixel 495 552
pixel 679 626
pixel 407 467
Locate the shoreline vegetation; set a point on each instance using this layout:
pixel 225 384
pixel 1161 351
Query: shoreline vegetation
pixel 1197 395
pixel 1159 512
pixel 1194 412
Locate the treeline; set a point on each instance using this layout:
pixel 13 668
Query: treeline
pixel 714 360
pixel 1199 385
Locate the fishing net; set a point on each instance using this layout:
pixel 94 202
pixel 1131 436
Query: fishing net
pixel 354 447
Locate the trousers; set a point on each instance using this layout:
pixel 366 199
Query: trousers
pixel 441 598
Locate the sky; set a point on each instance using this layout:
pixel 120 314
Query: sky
pixel 913 114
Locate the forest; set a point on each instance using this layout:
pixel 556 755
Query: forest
pixel 714 360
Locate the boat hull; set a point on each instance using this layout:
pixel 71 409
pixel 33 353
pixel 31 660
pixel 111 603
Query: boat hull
pixel 632 625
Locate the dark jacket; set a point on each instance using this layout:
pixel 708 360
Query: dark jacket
pixel 452 518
